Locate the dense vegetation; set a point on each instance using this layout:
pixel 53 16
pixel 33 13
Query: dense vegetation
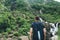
pixel 16 16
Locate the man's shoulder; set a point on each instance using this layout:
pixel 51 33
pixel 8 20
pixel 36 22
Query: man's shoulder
pixel 33 23
pixel 37 22
pixel 41 23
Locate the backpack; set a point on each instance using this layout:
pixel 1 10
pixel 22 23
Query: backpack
pixel 38 30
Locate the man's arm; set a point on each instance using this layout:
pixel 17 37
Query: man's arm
pixel 44 30
pixel 31 30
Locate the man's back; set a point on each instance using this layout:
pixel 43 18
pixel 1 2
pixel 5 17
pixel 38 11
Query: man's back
pixel 37 30
pixel 37 26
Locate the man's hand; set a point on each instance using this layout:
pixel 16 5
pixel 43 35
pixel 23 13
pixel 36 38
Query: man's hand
pixel 31 33
pixel 30 38
pixel 44 33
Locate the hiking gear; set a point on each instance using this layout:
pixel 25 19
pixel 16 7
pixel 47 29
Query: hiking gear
pixel 37 30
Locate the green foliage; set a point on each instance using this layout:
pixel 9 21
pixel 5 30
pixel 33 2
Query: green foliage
pixel 48 17
pixel 8 30
pixel 17 15
pixel 35 1
pixel 4 21
pixel 16 34
pixel 16 4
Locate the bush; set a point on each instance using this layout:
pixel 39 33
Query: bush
pixel 16 34
pixel 8 30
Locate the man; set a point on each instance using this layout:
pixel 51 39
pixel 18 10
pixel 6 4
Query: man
pixel 37 30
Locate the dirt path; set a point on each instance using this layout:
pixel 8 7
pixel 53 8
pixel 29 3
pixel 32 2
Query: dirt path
pixel 24 37
pixel 54 37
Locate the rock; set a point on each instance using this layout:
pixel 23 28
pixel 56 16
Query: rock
pixel 9 39
pixel 10 35
pixel 24 37
pixel 0 35
pixel 1 38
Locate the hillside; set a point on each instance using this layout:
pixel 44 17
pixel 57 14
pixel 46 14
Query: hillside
pixel 16 16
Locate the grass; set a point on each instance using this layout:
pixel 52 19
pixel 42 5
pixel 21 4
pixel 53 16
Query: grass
pixel 59 34
pixel 59 38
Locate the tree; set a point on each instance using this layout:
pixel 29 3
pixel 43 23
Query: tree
pixel 16 4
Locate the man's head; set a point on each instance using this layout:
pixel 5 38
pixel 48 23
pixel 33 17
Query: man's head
pixel 37 18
